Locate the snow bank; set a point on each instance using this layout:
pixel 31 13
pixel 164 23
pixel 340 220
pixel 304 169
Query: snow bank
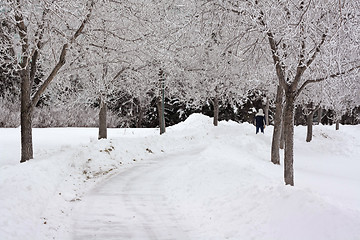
pixel 38 196
pixel 231 191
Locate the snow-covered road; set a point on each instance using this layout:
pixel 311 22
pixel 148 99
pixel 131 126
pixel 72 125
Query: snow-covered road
pixel 131 205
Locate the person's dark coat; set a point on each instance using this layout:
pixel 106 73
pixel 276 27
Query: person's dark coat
pixel 260 121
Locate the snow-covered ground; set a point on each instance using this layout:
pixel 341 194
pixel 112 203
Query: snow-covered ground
pixel 195 182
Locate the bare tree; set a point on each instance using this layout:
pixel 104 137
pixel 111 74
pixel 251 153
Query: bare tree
pixel 301 37
pixel 290 77
pixel 36 32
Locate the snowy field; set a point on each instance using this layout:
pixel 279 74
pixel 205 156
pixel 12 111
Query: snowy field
pixel 195 182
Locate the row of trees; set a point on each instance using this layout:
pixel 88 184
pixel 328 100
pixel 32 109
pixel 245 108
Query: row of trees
pixel 125 112
pixel 196 51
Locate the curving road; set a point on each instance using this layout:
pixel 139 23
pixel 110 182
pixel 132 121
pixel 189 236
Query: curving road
pixel 131 205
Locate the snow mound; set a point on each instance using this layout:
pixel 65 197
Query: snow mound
pixel 195 120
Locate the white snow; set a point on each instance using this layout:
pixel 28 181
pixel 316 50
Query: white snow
pixel 196 182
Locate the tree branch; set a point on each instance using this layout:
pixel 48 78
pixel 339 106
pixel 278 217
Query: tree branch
pixel 317 50
pixel 120 72
pixel 52 75
pixel 277 62
pixel 302 15
pixel 303 66
pixel 307 82
pixel 62 59
pixel 81 28
pixel 101 47
pixel 22 28
pixel 38 45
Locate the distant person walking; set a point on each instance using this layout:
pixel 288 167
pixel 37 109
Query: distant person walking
pixel 260 121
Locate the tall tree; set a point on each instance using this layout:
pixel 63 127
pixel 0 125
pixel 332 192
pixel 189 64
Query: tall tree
pixel 42 27
pixel 314 31
pixel 300 39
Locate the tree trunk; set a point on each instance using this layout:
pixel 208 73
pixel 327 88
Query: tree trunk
pixel 309 120
pixel 161 117
pixel 289 139
pixel 216 111
pixel 26 83
pixel 27 75
pixel 26 117
pixel 337 125
pixel 140 115
pixel 161 102
pixel 162 128
pixel 26 111
pixel 275 145
pixel 158 106
pixel 102 120
pixel 282 137
pixel 26 137
pixel 267 106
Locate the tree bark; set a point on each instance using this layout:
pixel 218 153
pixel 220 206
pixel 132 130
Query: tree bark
pixel 275 145
pixel 161 102
pixel 158 105
pixel 25 78
pixel 102 120
pixel 162 128
pixel 289 139
pixel 160 115
pixel 26 117
pixel 26 137
pixel 282 137
pixel 309 120
pixel 216 111
pixel 337 125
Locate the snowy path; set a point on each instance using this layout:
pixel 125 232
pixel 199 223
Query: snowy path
pixel 131 205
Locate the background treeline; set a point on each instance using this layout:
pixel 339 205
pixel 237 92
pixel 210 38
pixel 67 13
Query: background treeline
pixel 124 111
